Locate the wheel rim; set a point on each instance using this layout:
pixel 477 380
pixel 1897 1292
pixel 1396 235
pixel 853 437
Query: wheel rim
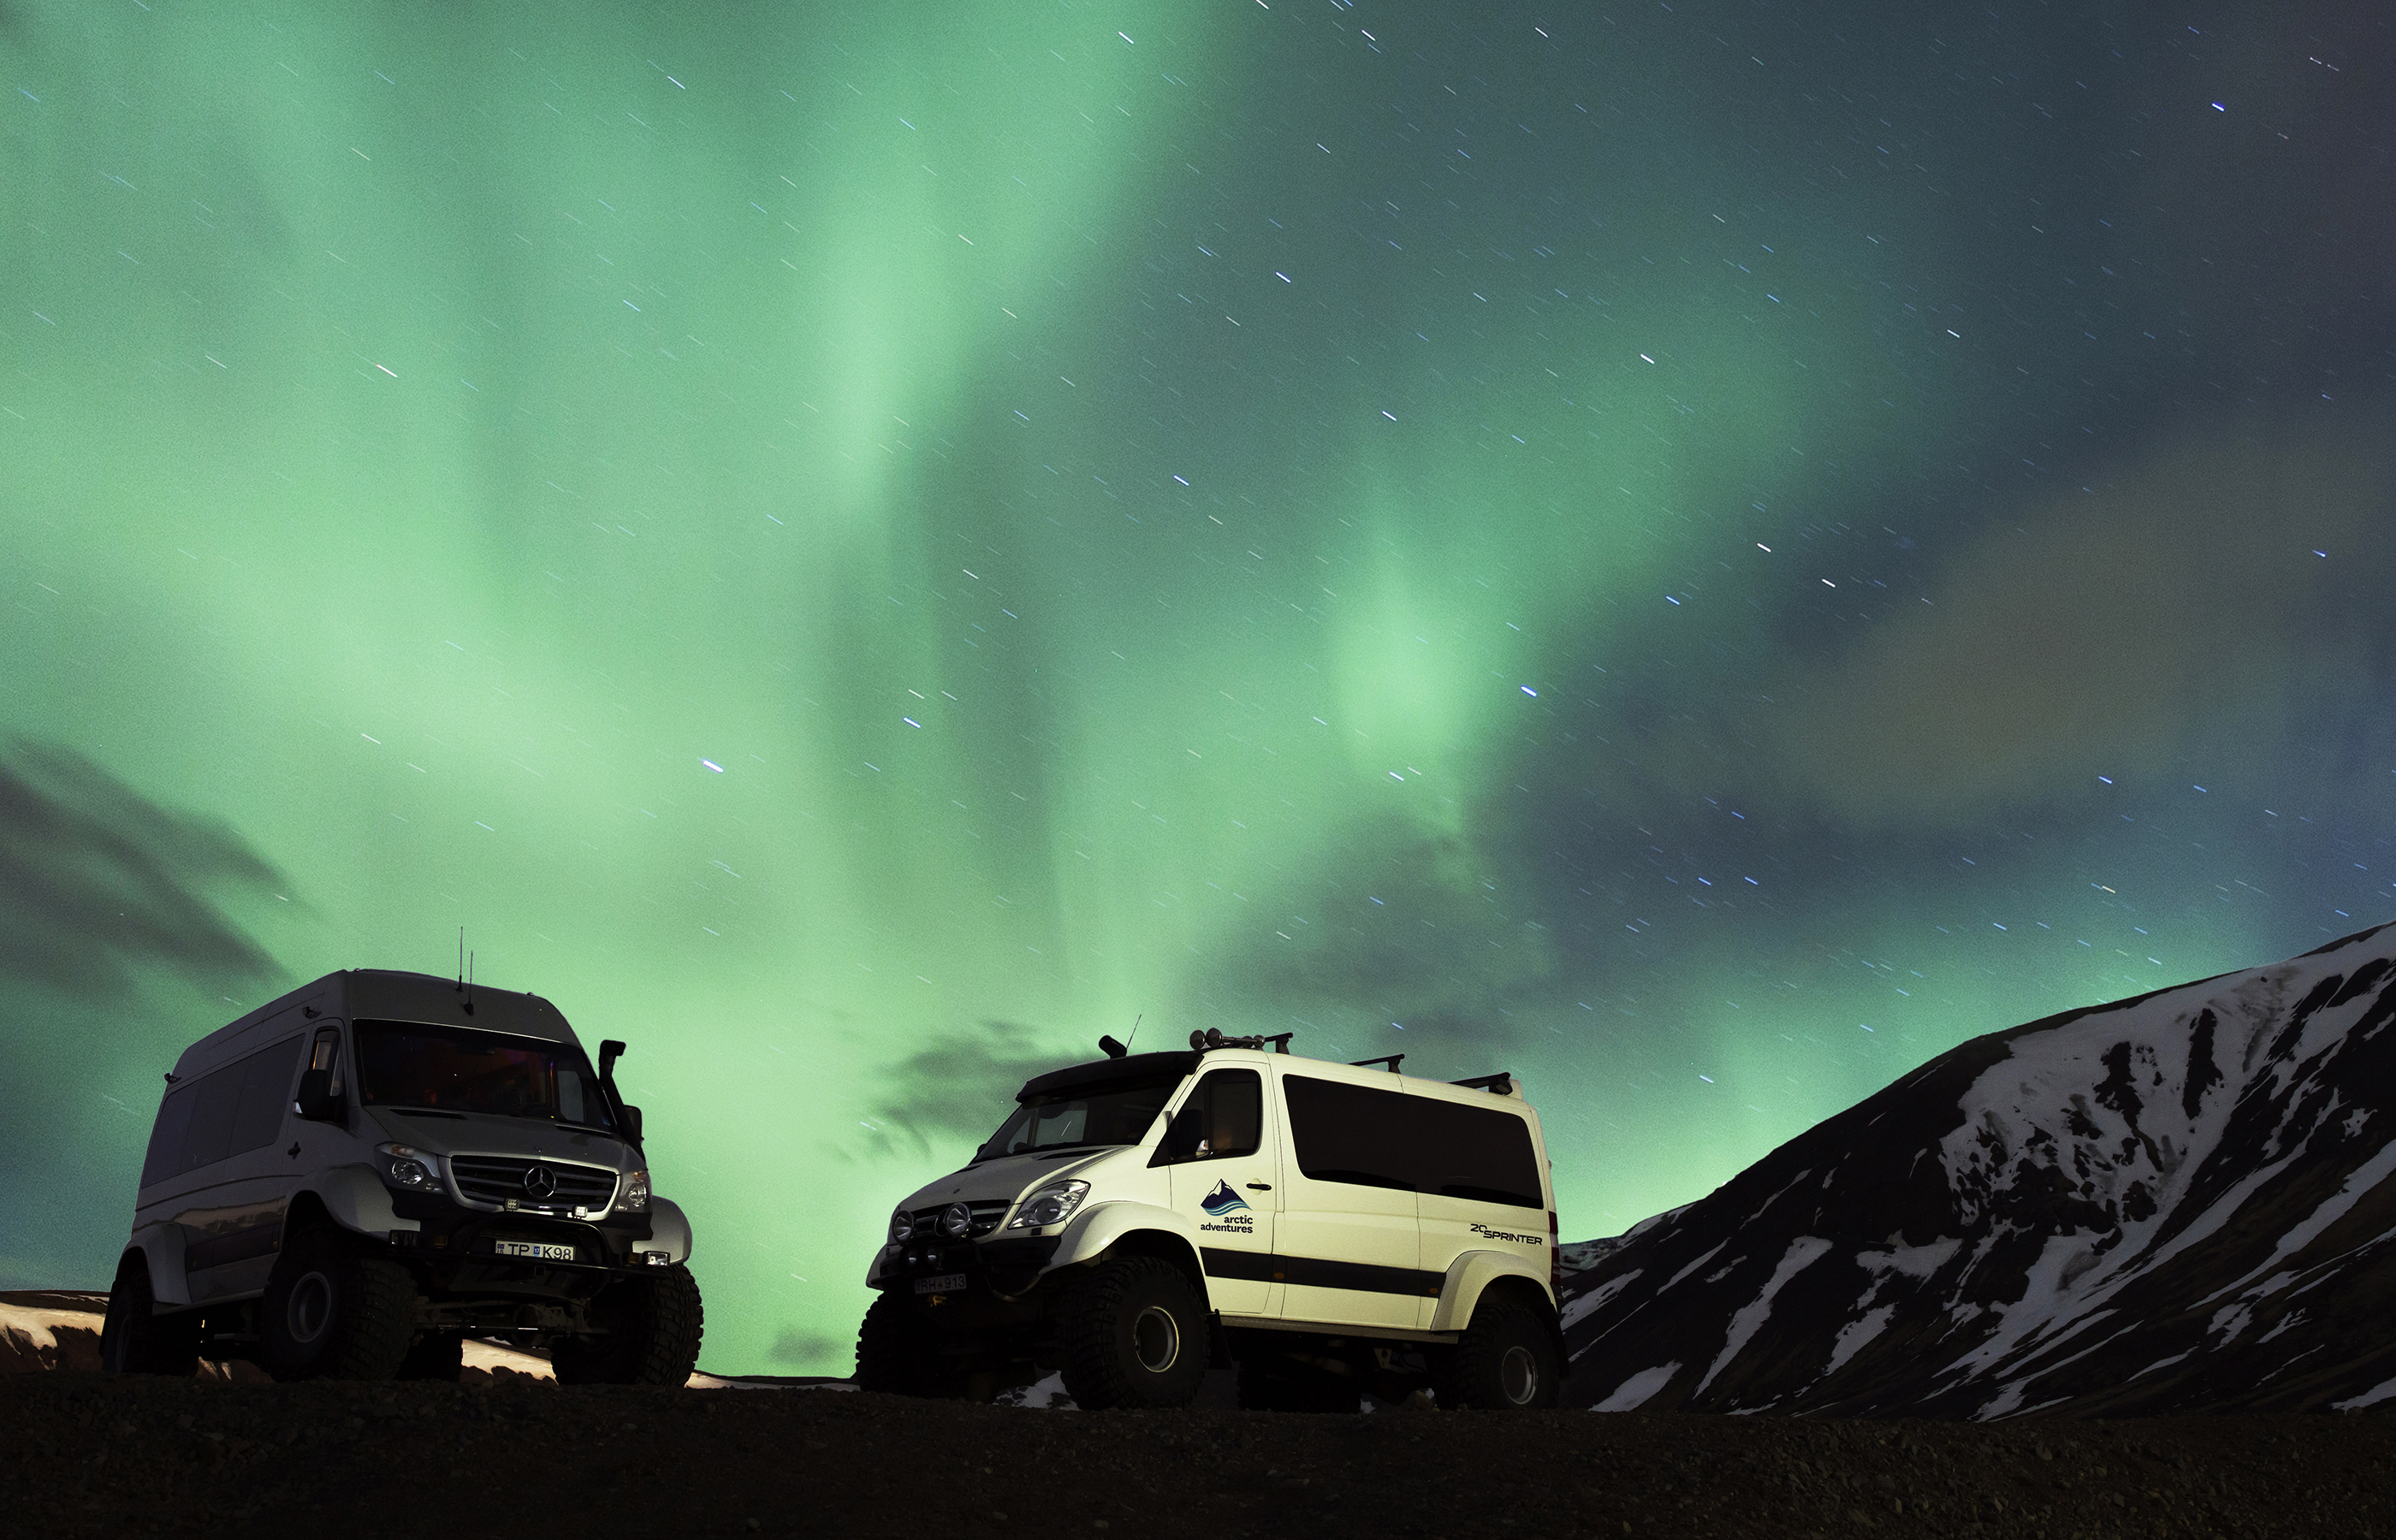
pixel 310 1309
pixel 1155 1339
pixel 1517 1377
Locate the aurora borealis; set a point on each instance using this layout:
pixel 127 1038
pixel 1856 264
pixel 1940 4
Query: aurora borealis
pixel 1701 553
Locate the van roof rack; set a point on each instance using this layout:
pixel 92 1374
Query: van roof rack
pixel 1392 1060
pixel 1213 1038
pixel 1499 1084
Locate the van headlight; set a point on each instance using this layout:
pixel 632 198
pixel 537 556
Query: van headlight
pixel 404 1166
pixel 903 1225
pixel 634 1199
pixel 1049 1205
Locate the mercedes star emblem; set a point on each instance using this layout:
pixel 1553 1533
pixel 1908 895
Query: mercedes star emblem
pixel 539 1182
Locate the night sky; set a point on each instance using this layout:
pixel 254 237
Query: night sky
pixel 1701 553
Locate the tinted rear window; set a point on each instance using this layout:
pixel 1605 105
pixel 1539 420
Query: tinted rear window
pixel 1369 1137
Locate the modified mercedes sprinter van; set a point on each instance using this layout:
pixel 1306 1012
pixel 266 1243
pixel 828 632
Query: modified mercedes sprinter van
pixel 351 1181
pixel 1328 1228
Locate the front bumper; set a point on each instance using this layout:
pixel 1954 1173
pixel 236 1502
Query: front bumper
pixel 1003 1268
pixel 449 1234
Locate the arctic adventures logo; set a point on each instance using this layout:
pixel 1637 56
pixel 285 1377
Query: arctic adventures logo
pixel 1229 1210
pixel 1222 1201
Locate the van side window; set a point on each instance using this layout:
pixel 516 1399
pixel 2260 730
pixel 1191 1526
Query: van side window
pixel 1224 1116
pixel 1351 1132
pixel 166 1135
pixel 1416 1143
pixel 1476 1152
pixel 237 1108
pixel 326 1054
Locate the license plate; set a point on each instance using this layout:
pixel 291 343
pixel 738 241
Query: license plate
pixel 539 1251
pixel 944 1283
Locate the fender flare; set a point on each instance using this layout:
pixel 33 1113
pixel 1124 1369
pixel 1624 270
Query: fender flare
pixel 161 1246
pixel 354 1197
pixel 1095 1231
pixel 668 1230
pixel 1468 1277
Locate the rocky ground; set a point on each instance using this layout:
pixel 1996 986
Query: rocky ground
pixel 88 1454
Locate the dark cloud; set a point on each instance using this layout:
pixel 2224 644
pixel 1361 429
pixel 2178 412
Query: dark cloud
pixel 806 1349
pixel 962 1084
pixel 98 884
pixel 2209 590
pixel 1401 923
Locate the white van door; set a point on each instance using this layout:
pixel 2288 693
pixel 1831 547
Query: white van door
pixel 1349 1252
pixel 1225 1158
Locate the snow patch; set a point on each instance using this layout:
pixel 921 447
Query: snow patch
pixel 1633 1393
pixel 1597 1297
pixel 1803 1253
pixel 1855 1334
pixel 2371 1396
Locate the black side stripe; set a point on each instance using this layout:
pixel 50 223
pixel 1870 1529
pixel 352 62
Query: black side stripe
pixel 1316 1272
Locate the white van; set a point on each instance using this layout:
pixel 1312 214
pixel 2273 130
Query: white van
pixel 349 1182
pixel 1329 1228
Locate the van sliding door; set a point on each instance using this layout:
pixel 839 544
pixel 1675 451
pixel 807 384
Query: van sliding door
pixel 1347 1251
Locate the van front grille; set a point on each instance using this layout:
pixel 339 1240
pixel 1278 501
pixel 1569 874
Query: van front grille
pixel 987 1212
pixel 497 1178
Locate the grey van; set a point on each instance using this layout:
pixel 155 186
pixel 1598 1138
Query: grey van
pixel 351 1181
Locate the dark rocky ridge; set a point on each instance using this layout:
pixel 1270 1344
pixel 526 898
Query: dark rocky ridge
pixel 2171 1203
pixel 88 1454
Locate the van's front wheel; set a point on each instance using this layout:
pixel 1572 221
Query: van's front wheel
pixel 898 1354
pixel 654 1320
pixel 332 1312
pixel 1134 1334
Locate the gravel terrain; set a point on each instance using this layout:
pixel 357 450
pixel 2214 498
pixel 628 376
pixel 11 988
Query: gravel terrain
pixel 88 1454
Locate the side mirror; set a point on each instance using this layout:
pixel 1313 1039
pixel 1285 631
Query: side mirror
pixel 317 1101
pixel 1181 1138
pixel 633 1124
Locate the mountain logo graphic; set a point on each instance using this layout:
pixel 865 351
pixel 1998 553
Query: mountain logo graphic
pixel 1222 1201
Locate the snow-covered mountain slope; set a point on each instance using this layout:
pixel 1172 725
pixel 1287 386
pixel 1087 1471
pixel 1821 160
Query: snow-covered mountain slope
pixel 2175 1202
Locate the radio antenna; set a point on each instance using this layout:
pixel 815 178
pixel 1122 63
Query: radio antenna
pixel 461 960
pixel 1135 1029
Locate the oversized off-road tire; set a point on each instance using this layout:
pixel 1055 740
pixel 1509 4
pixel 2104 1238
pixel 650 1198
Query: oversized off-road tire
pixel 1133 1333
pixel 134 1339
pixel 334 1311
pixel 1505 1361
pixel 434 1356
pixel 654 1320
pixel 898 1355
pixel 1283 1385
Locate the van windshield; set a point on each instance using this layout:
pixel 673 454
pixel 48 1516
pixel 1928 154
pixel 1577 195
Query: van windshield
pixel 1080 1118
pixel 457 1069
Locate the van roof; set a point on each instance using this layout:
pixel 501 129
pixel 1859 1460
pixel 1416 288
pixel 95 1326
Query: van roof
pixel 1142 1067
pixel 381 993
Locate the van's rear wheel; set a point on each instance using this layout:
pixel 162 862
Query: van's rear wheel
pixel 134 1340
pixel 1505 1361
pixel 333 1312
pixel 1134 1334
pixel 654 1320
pixel 898 1354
